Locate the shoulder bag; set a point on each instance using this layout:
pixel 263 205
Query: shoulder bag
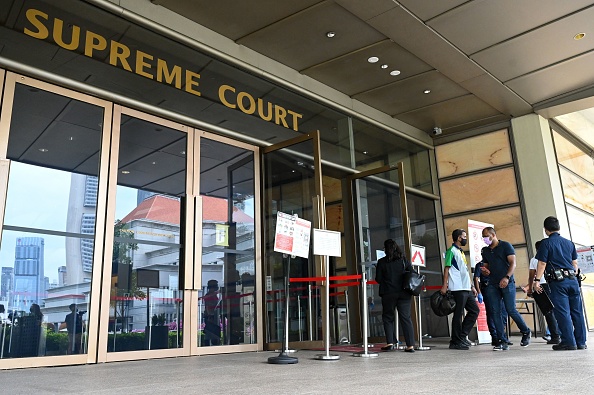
pixel 412 282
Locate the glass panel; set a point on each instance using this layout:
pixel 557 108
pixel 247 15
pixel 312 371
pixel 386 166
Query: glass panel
pixel 146 301
pixel 574 158
pixel 476 153
pixel 489 189
pixel 289 187
pixel 580 123
pixel 226 301
pixel 48 236
pixel 375 147
pixel 507 222
pixel 581 225
pixel 577 191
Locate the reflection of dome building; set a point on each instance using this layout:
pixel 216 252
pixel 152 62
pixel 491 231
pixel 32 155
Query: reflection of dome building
pixel 155 225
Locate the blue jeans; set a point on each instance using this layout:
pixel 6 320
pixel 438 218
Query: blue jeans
pixel 490 322
pixel 508 295
pixel 565 295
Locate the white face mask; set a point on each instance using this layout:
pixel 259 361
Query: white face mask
pixel 487 240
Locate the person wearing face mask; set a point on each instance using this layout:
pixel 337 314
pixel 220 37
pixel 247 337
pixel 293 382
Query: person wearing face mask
pixel 501 258
pixel 456 278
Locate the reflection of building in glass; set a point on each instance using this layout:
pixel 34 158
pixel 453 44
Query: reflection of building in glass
pixel 7 280
pixel 62 273
pixel 82 204
pixel 155 225
pixel 29 279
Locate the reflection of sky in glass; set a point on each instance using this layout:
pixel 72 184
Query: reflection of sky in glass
pixel 37 197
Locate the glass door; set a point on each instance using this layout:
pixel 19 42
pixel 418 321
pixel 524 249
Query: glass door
pixel 379 214
pixel 147 250
pixel 292 185
pixel 53 146
pixel 227 260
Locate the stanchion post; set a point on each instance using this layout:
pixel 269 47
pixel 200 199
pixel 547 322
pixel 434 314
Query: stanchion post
pixel 397 346
pixel 348 315
pixel 420 347
pixel 310 311
pixel 299 317
pixel 282 358
pixel 327 356
pixel 365 353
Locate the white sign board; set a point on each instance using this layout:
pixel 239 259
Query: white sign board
pixel 417 254
pixel 586 259
pixel 292 235
pixel 326 242
pixel 475 240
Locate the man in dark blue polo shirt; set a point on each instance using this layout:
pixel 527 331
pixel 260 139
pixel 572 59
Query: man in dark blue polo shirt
pixel 557 259
pixel 500 258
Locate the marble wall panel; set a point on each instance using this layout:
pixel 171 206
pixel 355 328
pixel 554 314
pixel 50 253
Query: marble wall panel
pixel 573 158
pixel 479 191
pixel 507 223
pixel 475 153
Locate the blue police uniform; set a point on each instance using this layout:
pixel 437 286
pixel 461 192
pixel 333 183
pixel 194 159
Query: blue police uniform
pixel 559 252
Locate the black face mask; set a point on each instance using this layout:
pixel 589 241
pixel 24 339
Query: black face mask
pixel 463 242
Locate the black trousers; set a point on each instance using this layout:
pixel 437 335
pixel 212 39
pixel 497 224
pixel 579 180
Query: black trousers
pixel 401 302
pixel 460 328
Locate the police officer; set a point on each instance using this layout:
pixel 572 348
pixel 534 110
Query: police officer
pixel 557 259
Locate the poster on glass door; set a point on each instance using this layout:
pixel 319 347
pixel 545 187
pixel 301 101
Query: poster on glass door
pixel 292 235
pixel 475 240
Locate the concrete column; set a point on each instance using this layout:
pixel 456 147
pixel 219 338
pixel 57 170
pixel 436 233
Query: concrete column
pixel 539 181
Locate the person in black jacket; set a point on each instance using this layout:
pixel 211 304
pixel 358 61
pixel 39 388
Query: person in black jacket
pixel 389 273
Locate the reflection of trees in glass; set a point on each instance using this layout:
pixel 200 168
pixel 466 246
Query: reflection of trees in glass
pixel 126 288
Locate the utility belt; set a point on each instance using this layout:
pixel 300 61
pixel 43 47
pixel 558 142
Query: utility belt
pixel 559 274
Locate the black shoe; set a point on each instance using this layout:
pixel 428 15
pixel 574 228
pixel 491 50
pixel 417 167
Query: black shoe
pixel 525 339
pixel 502 346
pixel 563 347
pixel 412 349
pixel 459 346
pixel 388 347
pixel 466 342
pixel 547 338
pixel 554 340
pixel 509 343
pixel 582 347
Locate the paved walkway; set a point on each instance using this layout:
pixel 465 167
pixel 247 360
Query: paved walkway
pixel 531 370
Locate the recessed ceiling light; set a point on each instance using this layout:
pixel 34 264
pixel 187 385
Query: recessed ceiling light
pixel 373 59
pixel 365 152
pixel 71 138
pixel 183 152
pixel 154 163
pixel 395 72
pixel 579 36
pixel 43 149
pixel 384 66
pixel 426 91
pixel 330 34
pixel 125 172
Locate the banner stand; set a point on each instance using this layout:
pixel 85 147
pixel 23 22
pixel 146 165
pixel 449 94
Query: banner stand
pixel 283 358
pixel 327 356
pixel 365 353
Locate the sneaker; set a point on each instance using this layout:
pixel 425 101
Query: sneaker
pixel 547 338
pixel 501 347
pixel 458 346
pixel 582 347
pixel 466 342
pixel 525 339
pixel 563 347
pixel 510 343
pixel 554 340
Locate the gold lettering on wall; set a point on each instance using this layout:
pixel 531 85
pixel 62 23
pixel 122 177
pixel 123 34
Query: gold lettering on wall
pixel 73 38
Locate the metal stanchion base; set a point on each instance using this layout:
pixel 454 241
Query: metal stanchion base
pixel 366 355
pixel 282 359
pixel 399 347
pixel 324 357
pixel 424 348
pixel 289 351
